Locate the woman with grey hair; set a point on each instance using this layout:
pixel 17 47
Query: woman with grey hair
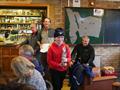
pixel 26 72
pixel 28 52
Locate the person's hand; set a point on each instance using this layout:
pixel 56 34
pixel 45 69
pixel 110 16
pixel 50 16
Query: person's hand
pixel 85 65
pixel 71 62
pixel 17 46
pixel 63 65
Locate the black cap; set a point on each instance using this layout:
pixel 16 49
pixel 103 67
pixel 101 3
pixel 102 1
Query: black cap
pixel 58 32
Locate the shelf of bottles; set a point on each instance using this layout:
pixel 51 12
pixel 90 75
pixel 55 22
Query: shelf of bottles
pixel 19 19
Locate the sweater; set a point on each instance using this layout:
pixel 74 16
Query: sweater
pixel 54 56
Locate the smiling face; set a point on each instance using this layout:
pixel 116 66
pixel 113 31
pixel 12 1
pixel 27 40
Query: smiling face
pixel 46 23
pixel 59 40
pixel 85 40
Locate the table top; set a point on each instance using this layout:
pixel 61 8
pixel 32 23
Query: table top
pixel 104 78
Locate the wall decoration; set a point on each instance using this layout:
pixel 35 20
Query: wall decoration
pixel 101 25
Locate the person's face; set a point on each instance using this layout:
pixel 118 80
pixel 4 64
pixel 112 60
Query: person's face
pixel 34 30
pixel 46 23
pixel 59 40
pixel 85 41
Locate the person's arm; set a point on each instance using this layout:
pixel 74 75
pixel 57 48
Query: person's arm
pixel 92 55
pixel 68 56
pixel 50 61
pixel 39 42
pixel 38 66
pixel 26 41
pixel 22 43
pixel 74 53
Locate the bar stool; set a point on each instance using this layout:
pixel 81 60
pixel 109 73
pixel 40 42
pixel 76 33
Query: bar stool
pixel 116 86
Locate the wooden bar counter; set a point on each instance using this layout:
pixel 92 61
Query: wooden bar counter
pixel 98 83
pixel 7 52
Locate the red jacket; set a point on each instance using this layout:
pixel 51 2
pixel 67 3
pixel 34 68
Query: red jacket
pixel 54 56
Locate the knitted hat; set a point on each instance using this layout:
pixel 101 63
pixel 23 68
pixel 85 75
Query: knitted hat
pixel 58 32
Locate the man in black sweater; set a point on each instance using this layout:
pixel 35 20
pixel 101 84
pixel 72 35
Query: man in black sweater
pixel 82 56
pixel 84 52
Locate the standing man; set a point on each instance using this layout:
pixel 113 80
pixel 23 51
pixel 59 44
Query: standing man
pixel 58 58
pixel 82 55
pixel 33 40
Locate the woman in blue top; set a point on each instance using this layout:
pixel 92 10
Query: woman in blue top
pixel 28 52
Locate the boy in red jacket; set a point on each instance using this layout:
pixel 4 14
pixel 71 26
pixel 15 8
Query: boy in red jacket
pixel 58 59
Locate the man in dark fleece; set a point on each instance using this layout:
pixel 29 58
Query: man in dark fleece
pixel 82 56
pixel 84 52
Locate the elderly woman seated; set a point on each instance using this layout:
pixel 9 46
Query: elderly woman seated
pixel 26 73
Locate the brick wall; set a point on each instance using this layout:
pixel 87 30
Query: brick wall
pixel 56 8
pixel 55 11
pixel 109 55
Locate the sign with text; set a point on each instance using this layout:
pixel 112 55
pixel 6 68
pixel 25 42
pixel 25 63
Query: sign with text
pixel 76 3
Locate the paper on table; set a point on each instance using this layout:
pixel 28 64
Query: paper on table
pixel 44 48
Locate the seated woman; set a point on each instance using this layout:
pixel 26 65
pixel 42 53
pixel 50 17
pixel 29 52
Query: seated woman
pixel 26 73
